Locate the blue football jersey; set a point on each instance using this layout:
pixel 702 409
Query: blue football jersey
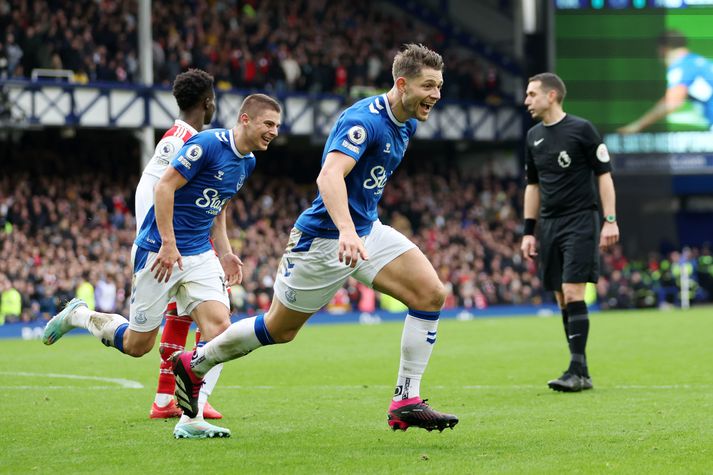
pixel 370 134
pixel 215 171
pixel 696 73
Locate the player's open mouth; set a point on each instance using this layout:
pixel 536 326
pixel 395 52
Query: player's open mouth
pixel 427 106
pixel 266 139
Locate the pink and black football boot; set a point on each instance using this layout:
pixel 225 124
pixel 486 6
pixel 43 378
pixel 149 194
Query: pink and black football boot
pixel 417 413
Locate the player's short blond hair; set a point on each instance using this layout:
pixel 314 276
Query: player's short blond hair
pixel 256 103
pixel 409 62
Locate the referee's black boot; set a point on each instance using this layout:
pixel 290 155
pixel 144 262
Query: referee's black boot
pixel 567 383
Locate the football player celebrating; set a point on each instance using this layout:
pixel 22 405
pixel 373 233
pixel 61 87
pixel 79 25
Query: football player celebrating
pixel 340 235
pixel 174 255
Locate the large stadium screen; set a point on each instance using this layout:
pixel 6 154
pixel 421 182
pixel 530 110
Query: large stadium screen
pixel 642 71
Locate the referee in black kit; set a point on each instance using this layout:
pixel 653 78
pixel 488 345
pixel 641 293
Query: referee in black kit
pixel 565 157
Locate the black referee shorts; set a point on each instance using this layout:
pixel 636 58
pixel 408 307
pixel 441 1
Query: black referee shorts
pixel 569 249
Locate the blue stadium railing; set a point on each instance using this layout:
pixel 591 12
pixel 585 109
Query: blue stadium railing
pixel 27 104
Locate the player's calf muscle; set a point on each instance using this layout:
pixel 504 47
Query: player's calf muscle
pixel 280 331
pixel 210 330
pixel 137 344
pixel 284 335
pixel 137 351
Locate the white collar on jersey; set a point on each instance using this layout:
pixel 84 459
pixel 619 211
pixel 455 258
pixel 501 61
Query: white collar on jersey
pixel 391 114
pixel 232 145
pixel 186 125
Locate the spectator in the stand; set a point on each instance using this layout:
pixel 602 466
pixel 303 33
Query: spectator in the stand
pixel 704 272
pixel 105 295
pixel 10 302
pixel 3 61
pixel 643 295
pixel 14 54
pixel 290 68
pixel 85 291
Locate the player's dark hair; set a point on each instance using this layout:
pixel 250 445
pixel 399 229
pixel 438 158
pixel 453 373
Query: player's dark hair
pixel 672 39
pixel 414 57
pixel 551 81
pixel 257 102
pixel 191 87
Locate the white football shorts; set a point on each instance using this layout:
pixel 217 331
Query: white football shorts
pixel 201 279
pixel 310 272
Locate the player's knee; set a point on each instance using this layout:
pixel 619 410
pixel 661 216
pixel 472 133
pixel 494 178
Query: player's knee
pixel 214 328
pixel 572 295
pixel 432 299
pixel 440 294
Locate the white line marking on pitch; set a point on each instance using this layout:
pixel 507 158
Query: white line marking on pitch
pixel 124 383
pixel 42 388
pixel 476 387
pixel 615 386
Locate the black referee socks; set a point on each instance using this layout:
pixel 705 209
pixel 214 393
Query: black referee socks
pixel 577 332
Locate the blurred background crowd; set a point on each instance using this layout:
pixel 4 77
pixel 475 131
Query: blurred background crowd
pixel 318 46
pixel 66 236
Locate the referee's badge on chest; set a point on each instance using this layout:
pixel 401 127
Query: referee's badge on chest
pixel 564 159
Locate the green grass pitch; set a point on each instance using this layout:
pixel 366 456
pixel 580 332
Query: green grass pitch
pixel 318 405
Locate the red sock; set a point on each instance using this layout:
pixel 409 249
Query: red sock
pixel 173 339
pixel 198 338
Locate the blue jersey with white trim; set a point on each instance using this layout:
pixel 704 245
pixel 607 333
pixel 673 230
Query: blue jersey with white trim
pixel 215 171
pixel 370 134
pixel 696 73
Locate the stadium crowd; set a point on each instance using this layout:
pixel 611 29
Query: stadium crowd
pixel 318 46
pixel 63 237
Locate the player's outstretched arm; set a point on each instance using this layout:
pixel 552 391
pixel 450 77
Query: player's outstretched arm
pixel 168 254
pixel 532 210
pixel 232 265
pixel 610 230
pixel 333 189
pixel 674 98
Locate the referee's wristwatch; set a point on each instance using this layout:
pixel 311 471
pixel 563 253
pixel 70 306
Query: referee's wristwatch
pixel 610 218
